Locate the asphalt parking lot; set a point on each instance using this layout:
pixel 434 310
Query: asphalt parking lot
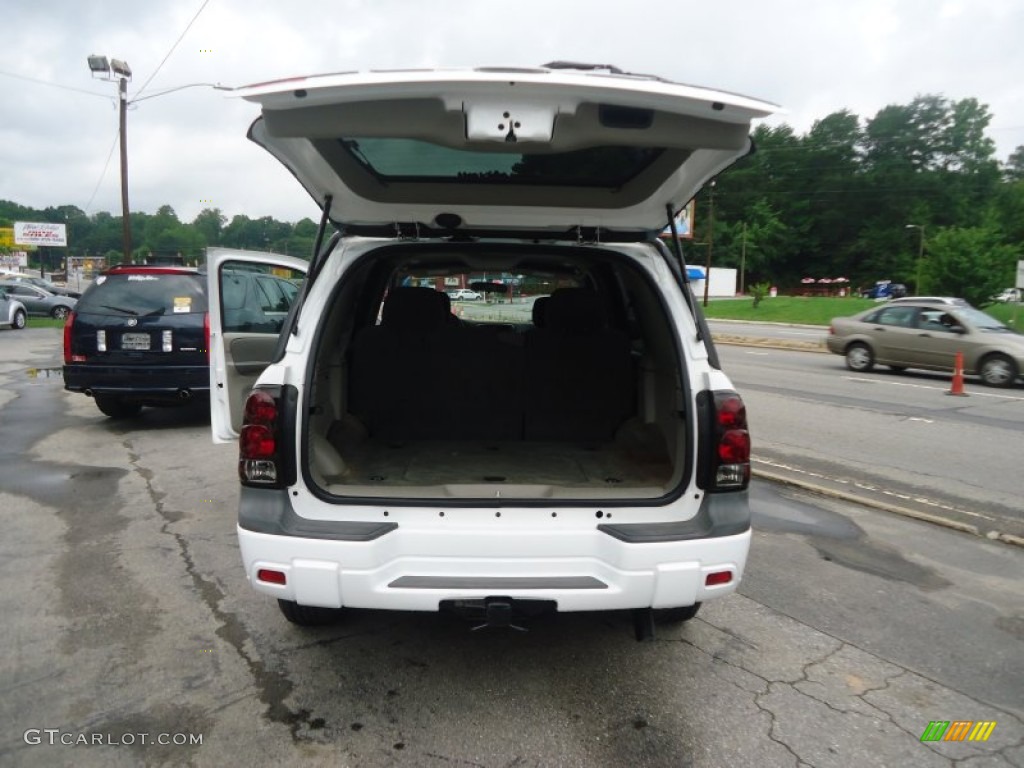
pixel 128 620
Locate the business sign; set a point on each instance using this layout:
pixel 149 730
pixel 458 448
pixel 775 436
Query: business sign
pixel 683 222
pixel 33 233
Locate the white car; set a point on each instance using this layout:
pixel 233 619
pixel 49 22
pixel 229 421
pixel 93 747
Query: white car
pixel 592 456
pixel 464 294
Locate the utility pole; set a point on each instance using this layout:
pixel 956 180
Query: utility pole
pixel 743 258
pixel 115 69
pixel 126 225
pixel 920 255
pixel 711 231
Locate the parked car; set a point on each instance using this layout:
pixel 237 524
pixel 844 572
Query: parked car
pixel 392 459
pixel 39 302
pixel 140 334
pixel 1009 295
pixel 885 289
pixel 139 337
pixel 928 335
pixel 46 285
pixel 464 294
pixel 12 312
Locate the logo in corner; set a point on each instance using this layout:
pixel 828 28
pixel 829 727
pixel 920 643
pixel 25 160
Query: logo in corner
pixel 958 730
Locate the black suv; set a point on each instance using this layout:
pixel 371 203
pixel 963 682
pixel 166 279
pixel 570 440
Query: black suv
pixel 139 336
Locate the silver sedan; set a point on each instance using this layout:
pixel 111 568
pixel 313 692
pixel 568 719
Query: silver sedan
pixel 38 301
pixel 12 311
pixel 928 335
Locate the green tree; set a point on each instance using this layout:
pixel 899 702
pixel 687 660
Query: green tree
pixel 1013 170
pixel 969 262
pixel 209 223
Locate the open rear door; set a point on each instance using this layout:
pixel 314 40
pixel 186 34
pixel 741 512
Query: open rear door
pixel 250 294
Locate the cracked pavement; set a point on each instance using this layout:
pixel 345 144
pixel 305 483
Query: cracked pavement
pixel 127 613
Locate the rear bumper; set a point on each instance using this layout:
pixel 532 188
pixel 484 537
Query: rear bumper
pixel 416 566
pixel 152 383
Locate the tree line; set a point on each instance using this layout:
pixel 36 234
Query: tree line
pixel 163 234
pixel 913 194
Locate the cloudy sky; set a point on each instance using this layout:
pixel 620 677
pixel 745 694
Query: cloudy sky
pixel 187 148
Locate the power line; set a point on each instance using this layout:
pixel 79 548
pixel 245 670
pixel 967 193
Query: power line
pixel 164 61
pixel 54 85
pixel 103 173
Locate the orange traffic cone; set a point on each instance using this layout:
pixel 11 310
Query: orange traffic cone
pixel 957 387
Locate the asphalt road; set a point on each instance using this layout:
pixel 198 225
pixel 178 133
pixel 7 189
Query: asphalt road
pixel 896 440
pixel 128 620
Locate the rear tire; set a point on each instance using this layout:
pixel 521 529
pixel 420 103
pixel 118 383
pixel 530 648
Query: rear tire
pixel 309 615
pixel 116 407
pixel 860 358
pixel 675 615
pixel 19 320
pixel 998 371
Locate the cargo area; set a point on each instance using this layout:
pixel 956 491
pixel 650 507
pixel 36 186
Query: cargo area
pixel 524 395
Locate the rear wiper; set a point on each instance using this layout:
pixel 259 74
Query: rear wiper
pixel 120 309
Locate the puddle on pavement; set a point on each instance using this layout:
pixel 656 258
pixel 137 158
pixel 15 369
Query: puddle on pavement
pixel 837 539
pixel 775 512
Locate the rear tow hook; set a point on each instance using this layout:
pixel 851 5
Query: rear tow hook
pixel 498 614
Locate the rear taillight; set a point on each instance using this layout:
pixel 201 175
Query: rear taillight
pixel 732 442
pixel 206 333
pixel 258 442
pixel 67 337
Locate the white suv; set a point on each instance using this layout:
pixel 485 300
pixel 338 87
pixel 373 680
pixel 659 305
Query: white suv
pixel 572 446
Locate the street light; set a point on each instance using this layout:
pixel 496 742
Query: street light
pixel 920 255
pixel 116 69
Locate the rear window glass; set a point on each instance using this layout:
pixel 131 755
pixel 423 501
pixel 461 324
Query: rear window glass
pixel 145 294
pixel 415 160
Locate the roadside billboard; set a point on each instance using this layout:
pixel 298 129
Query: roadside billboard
pixel 683 221
pixel 40 233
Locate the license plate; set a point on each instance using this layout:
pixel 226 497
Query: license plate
pixel 135 341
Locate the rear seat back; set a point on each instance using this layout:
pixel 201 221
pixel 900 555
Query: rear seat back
pixel 579 379
pixel 393 377
pixel 420 376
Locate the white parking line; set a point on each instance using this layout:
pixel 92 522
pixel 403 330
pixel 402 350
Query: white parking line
pixel 973 393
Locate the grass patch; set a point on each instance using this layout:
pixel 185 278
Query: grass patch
pixel 44 322
pixel 817 310
pixel 807 310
